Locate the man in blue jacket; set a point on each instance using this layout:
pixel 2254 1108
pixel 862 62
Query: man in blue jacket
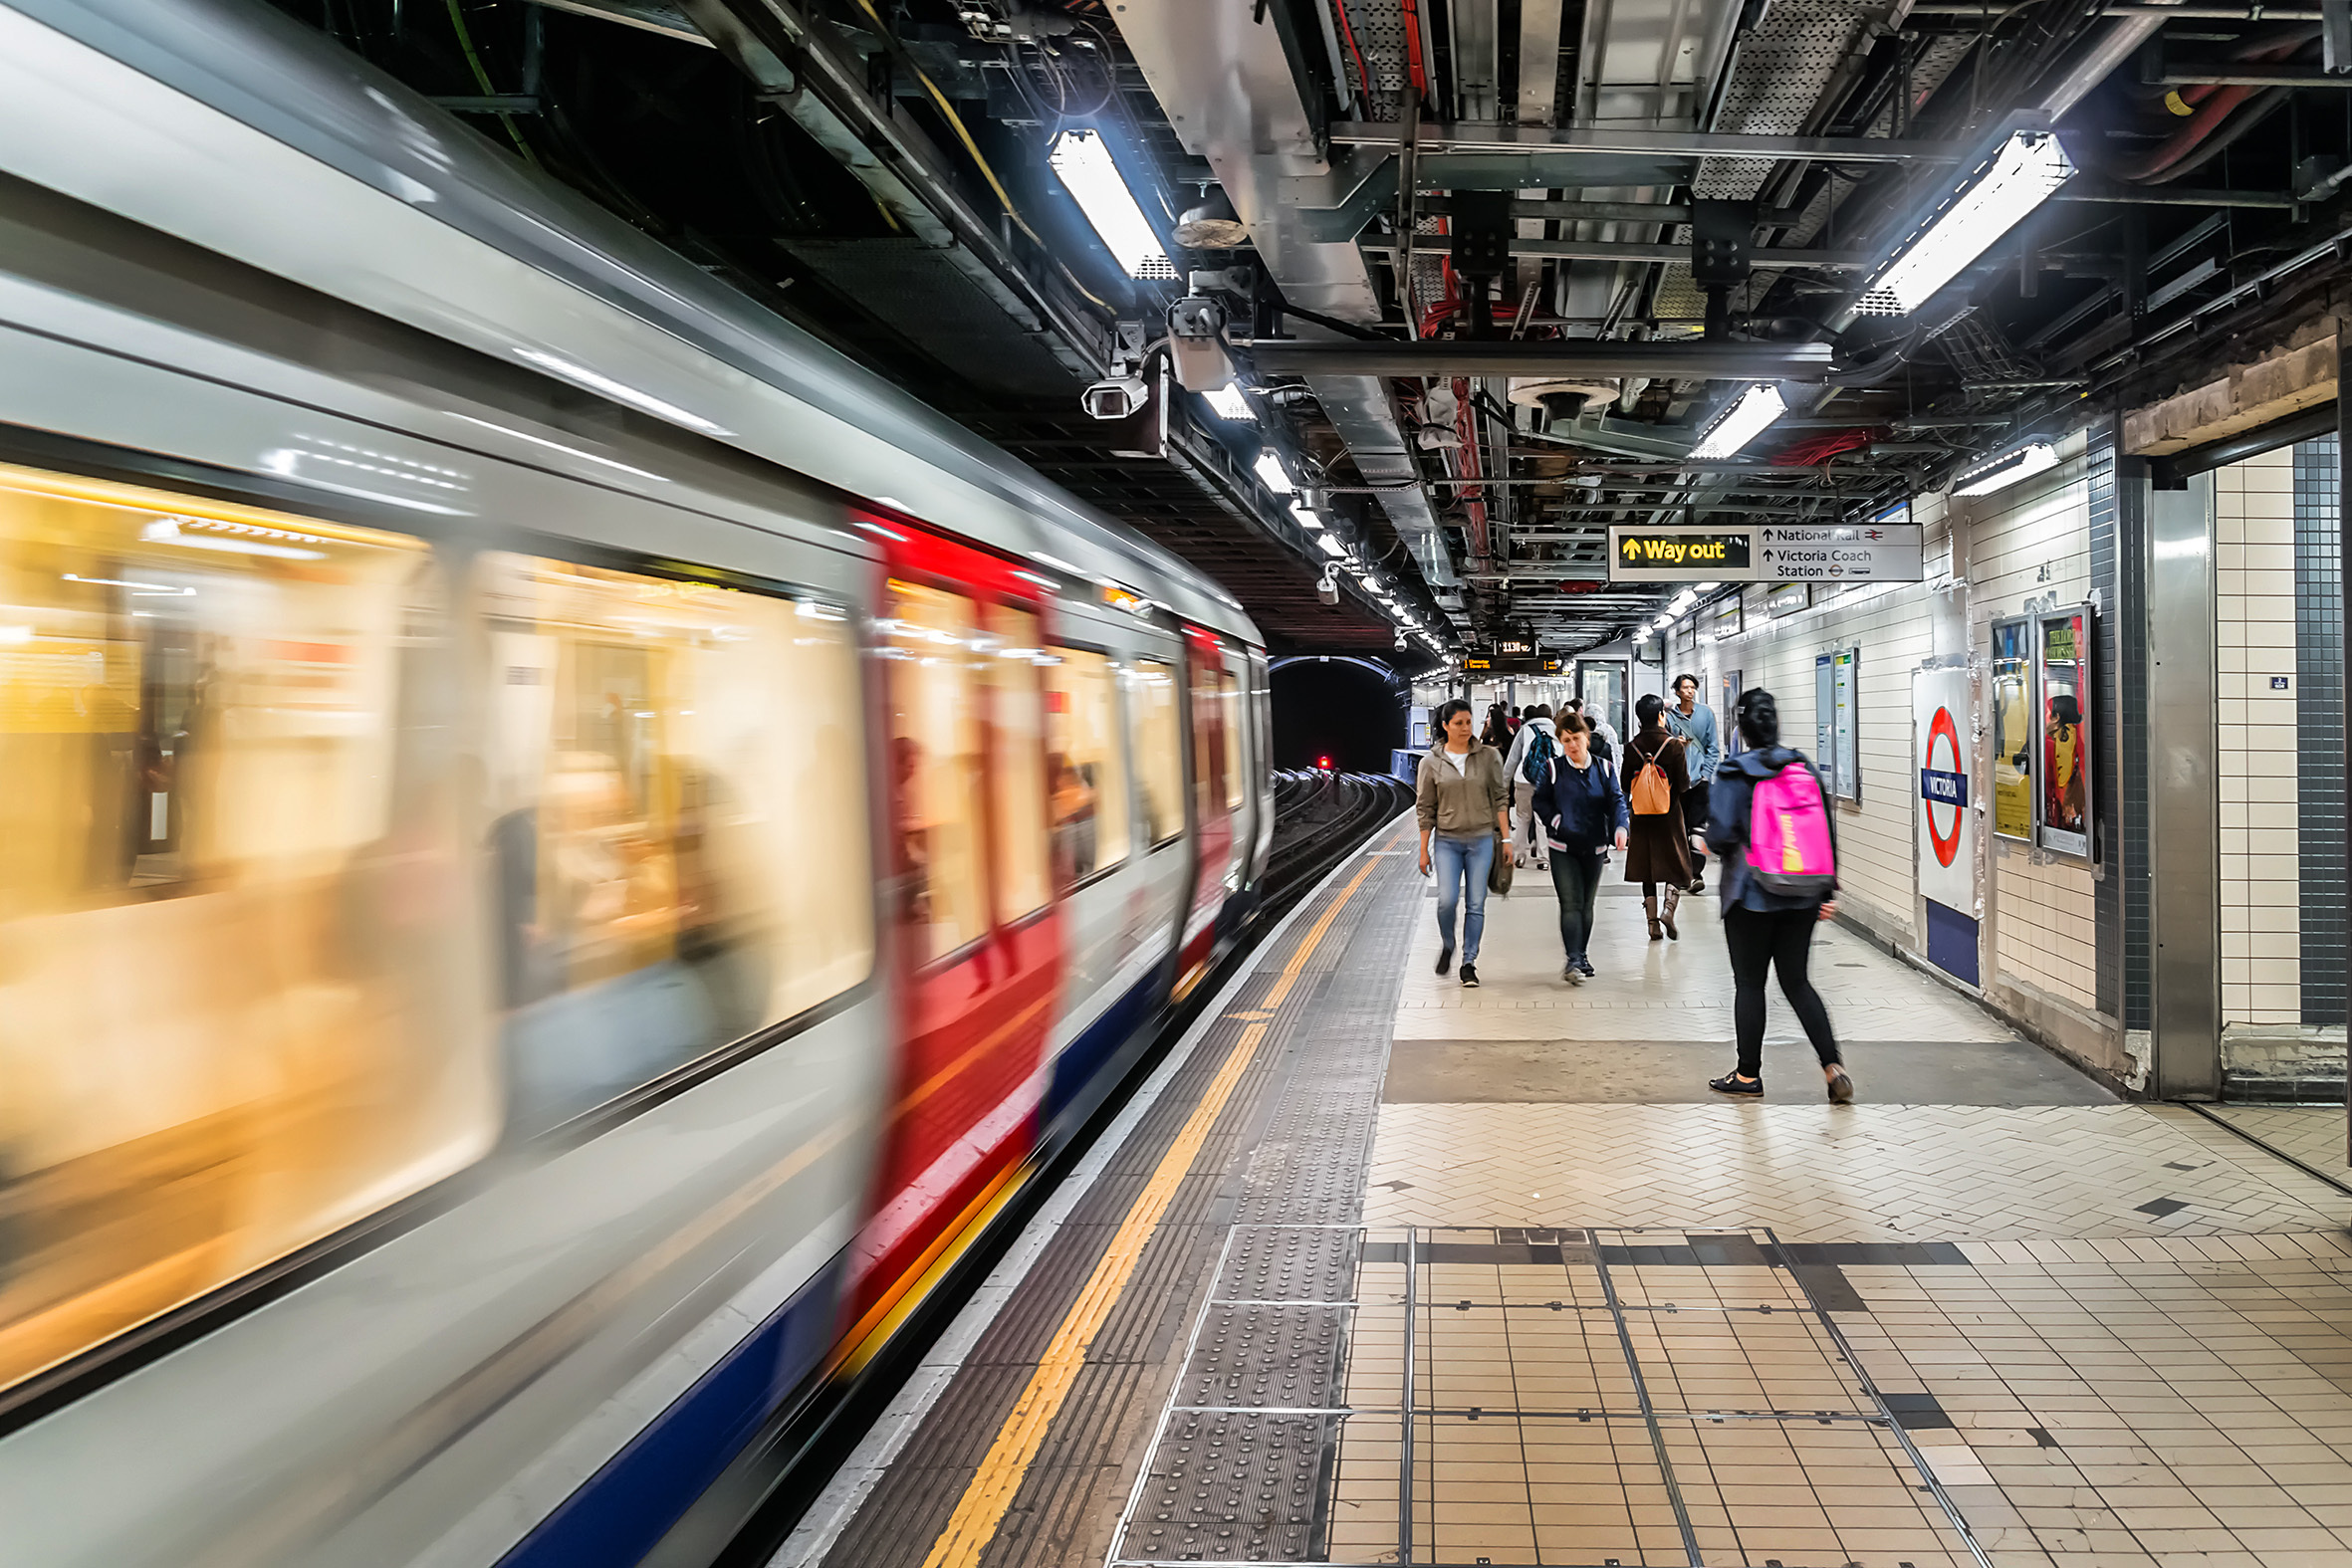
pixel 1583 810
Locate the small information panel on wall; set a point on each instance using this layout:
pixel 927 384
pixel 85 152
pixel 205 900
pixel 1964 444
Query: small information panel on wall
pixel 2012 709
pixel 2063 648
pixel 1836 747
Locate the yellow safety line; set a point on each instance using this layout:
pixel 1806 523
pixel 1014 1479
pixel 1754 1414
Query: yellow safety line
pixel 990 1495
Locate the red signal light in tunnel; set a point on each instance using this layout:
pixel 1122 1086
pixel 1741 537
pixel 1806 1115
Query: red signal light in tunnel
pixel 1324 763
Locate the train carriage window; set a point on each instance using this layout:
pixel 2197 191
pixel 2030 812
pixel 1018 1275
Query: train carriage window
pixel 1087 766
pixel 1017 763
pixel 677 821
pixel 931 640
pixel 236 948
pixel 1159 754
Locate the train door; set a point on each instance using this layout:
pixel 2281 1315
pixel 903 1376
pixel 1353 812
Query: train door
pixel 1245 760
pixel 961 641
pixel 1260 710
pixel 1206 680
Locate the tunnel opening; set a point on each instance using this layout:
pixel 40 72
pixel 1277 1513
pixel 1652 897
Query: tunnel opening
pixel 1343 712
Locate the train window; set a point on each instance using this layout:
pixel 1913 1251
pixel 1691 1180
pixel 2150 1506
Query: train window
pixel 931 640
pixel 1017 762
pixel 1229 706
pixel 233 899
pixel 677 821
pixel 1159 755
pixel 1083 759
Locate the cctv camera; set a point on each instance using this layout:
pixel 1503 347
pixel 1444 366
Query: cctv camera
pixel 1120 397
pixel 1328 589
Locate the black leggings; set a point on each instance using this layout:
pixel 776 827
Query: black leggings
pixel 1779 939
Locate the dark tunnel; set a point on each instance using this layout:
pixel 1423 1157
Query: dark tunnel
pixel 1344 709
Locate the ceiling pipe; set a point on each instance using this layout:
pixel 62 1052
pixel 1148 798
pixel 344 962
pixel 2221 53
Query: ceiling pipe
pixel 1566 358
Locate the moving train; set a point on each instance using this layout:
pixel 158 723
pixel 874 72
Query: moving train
pixel 562 848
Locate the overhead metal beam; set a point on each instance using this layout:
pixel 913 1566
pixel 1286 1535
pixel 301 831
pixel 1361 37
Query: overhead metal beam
pixel 1491 138
pixel 2251 76
pixel 647 16
pixel 1564 357
pixel 1633 250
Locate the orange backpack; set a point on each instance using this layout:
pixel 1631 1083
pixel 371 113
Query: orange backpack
pixel 1651 795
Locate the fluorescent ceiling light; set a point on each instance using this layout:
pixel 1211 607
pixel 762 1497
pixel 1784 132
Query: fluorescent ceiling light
pixel 2035 457
pixel 1083 162
pixel 1740 424
pixel 1272 475
pixel 2021 174
pixel 1332 547
pixel 1306 516
pixel 1227 402
pixel 1708 588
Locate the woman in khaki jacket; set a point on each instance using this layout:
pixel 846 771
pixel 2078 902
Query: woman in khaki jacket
pixel 1463 802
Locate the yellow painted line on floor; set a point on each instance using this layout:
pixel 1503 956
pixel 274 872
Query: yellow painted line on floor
pixel 990 1495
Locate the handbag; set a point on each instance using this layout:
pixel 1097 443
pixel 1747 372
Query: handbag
pixel 1499 874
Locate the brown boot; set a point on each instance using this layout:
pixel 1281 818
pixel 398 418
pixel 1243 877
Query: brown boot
pixel 1650 908
pixel 1666 915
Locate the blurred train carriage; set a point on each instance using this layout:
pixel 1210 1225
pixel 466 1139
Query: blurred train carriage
pixel 563 850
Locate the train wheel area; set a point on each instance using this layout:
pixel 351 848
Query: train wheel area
pixel 1378 1268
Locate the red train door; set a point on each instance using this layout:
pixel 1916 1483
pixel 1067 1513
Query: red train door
pixel 1213 772
pixel 977 944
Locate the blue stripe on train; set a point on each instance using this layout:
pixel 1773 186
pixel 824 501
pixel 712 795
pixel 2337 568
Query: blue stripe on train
pixel 618 1513
pixel 1082 1060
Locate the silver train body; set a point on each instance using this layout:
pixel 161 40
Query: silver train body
pixel 258 300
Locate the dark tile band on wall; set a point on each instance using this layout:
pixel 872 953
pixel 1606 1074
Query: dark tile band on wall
pixel 2119 567
pixel 2319 730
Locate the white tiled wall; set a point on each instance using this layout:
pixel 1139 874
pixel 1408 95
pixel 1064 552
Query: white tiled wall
pixel 2255 584
pixel 2031 543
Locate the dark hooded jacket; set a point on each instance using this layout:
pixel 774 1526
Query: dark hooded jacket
pixel 1726 825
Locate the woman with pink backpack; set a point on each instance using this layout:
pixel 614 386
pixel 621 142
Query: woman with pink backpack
pixel 1770 824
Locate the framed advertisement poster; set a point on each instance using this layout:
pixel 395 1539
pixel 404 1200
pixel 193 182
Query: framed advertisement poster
pixel 2063 659
pixel 2012 709
pixel 1837 722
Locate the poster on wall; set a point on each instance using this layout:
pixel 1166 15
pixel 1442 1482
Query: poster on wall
pixel 1944 835
pixel 1837 722
pixel 2063 649
pixel 2012 707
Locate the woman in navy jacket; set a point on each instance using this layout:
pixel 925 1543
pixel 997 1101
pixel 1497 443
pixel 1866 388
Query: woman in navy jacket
pixel 1582 809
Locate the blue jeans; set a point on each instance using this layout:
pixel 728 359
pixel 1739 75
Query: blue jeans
pixel 1458 862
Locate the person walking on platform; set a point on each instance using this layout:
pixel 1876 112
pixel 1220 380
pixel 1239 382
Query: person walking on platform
pixel 1581 812
pixel 1604 734
pixel 1461 802
pixel 1497 731
pixel 1696 725
pixel 1770 821
pixel 1535 738
pixel 1656 785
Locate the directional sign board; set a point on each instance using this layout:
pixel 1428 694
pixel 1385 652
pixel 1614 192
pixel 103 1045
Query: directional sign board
pixel 1767 552
pixel 1651 555
pixel 1864 552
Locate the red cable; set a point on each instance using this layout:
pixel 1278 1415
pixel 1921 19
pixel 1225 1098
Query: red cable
pixel 1362 72
pixel 1413 62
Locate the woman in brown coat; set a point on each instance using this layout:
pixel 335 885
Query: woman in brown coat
pixel 1659 850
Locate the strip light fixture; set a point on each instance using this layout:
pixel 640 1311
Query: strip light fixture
pixel 2035 457
pixel 1228 403
pixel 2020 174
pixel 1741 422
pixel 1271 473
pixel 1082 159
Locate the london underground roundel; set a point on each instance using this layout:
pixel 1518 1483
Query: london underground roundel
pixel 1944 786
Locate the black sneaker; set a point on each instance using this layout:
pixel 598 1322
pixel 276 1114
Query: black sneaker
pixel 1841 1088
pixel 1698 884
pixel 1469 976
pixel 1733 1083
pixel 1571 973
pixel 1586 965
pixel 1444 958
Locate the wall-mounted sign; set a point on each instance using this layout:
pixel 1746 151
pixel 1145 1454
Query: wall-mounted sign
pixel 1788 598
pixel 1837 722
pixel 1767 552
pixel 2012 731
pixel 1863 552
pixel 1944 840
pixel 1646 554
pixel 1513 664
pixel 1730 620
pixel 2063 652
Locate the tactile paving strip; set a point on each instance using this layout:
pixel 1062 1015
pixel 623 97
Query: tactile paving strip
pixel 1598 1398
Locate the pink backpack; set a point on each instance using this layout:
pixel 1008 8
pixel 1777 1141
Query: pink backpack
pixel 1788 848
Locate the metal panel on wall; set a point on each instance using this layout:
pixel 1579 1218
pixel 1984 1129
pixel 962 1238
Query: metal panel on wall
pixel 2184 794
